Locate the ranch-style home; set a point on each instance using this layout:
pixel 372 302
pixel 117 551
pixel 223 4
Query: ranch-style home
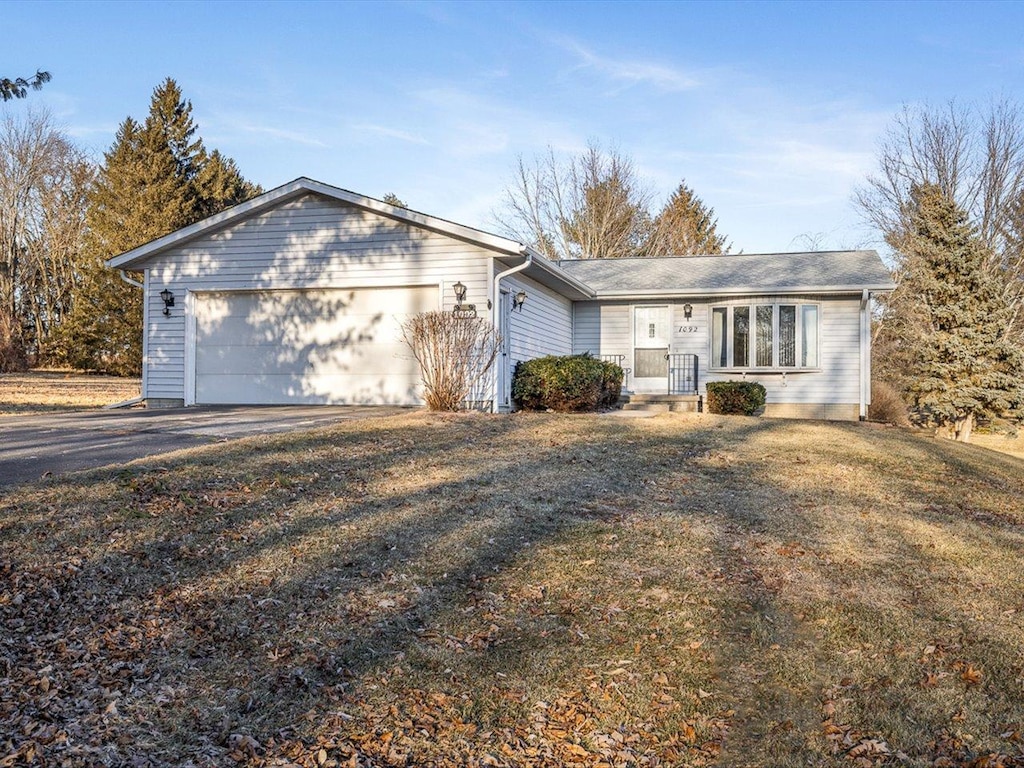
pixel 298 295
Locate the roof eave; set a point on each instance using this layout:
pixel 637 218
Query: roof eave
pixel 746 291
pixel 582 290
pixel 304 185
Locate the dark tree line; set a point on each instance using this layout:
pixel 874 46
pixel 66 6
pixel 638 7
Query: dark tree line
pixel 61 218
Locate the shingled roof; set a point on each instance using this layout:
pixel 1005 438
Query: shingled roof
pixel 748 273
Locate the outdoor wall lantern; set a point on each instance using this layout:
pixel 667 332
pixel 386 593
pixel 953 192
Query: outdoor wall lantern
pixel 168 299
pixel 518 300
pixel 687 311
pixel 460 292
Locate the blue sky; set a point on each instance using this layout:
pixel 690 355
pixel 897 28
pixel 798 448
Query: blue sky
pixel 771 112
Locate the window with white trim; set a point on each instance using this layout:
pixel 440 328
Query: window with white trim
pixel 765 335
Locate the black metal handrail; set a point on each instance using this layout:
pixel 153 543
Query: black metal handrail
pixel 682 374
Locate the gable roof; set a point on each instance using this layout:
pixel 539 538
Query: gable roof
pixel 540 268
pixel 297 188
pixel 738 274
pixel 814 272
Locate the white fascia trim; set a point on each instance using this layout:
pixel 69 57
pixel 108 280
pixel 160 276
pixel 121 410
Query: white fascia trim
pixel 555 271
pixel 303 185
pixel 741 291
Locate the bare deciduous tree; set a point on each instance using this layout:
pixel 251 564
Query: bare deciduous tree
pixel 974 156
pixel 44 180
pixel 593 206
pixel 454 354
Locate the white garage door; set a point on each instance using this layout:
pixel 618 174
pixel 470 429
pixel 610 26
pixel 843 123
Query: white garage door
pixel 311 346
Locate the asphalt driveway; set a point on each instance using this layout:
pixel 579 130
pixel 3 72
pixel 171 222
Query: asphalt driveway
pixel 47 445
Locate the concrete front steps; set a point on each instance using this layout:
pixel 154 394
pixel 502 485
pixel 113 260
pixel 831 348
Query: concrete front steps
pixel 662 403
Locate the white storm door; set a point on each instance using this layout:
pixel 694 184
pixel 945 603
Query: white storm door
pixel 651 336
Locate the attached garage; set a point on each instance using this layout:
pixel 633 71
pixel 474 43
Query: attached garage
pixel 313 346
pixel 298 296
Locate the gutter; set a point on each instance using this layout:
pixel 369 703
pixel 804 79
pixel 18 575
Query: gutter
pixel 693 291
pixel 496 285
pixel 130 281
pixel 496 307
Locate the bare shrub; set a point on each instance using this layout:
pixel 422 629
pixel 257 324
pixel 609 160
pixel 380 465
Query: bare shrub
pixel 454 353
pixel 887 405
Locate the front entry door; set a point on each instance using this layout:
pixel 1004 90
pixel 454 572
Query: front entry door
pixel 651 330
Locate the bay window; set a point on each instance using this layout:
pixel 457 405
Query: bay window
pixel 765 336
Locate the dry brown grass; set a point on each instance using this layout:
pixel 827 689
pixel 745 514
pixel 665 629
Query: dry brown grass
pixel 525 590
pixel 1012 444
pixel 57 390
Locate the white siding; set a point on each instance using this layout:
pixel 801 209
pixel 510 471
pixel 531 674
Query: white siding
pixel 605 328
pixel 308 242
pixel 837 381
pixel 544 326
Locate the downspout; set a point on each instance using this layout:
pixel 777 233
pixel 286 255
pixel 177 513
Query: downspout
pixel 865 354
pixel 496 308
pixel 130 281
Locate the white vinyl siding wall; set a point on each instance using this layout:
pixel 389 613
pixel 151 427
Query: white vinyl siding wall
pixel 606 329
pixel 308 242
pixel 544 326
pixel 837 378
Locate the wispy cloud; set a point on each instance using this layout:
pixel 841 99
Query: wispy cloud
pixel 629 71
pixel 391 133
pixel 282 134
pixel 474 124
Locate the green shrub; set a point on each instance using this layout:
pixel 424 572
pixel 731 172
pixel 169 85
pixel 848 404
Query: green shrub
pixel 735 397
pixel 569 383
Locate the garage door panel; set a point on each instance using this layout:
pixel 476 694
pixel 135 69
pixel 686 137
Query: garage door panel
pixel 323 389
pixel 349 358
pixel 318 346
pixel 295 331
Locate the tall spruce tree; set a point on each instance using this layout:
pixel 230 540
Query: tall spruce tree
pixel 686 227
pixel 156 178
pixel 964 364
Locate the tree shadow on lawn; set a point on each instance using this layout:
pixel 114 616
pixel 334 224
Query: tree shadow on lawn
pixel 214 608
pixel 847 608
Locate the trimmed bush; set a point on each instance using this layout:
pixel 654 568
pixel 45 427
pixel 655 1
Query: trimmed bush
pixel 568 383
pixel 735 397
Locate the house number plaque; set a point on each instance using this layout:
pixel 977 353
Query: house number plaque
pixel 687 329
pixel 464 311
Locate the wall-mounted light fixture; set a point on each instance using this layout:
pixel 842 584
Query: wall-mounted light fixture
pixel 460 292
pixel 687 311
pixel 168 299
pixel 518 300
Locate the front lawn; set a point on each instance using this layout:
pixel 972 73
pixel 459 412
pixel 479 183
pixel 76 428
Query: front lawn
pixel 528 590
pixel 62 390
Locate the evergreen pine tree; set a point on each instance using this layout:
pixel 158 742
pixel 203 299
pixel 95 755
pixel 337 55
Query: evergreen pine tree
pixel 965 365
pixel 156 178
pixel 686 227
pixel 219 185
